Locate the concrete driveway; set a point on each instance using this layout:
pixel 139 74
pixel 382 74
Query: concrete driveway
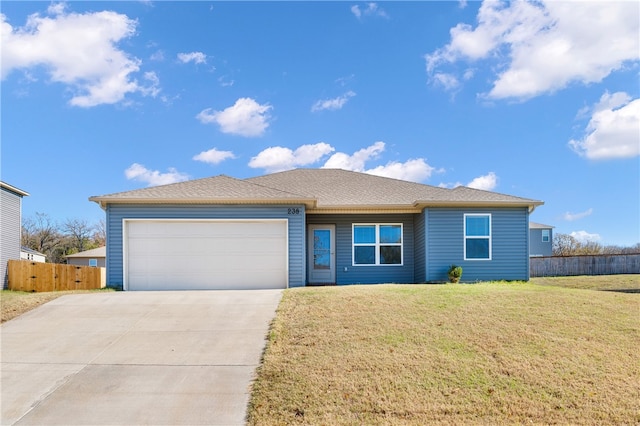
pixel 135 358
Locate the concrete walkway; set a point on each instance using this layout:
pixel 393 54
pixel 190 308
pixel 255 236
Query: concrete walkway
pixel 135 358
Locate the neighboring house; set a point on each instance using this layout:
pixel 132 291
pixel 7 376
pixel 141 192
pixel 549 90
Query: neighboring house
pixel 29 254
pixel 311 226
pixel 95 257
pixel 10 226
pixel 540 239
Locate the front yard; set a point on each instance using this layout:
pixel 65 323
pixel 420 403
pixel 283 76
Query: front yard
pixel 489 353
pixel 552 351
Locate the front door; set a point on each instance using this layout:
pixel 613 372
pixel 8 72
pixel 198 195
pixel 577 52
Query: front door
pixel 322 254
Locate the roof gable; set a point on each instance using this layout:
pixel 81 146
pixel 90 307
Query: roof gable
pixel 96 252
pixel 217 190
pixel 342 188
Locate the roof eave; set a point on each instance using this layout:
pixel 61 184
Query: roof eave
pixel 104 201
pixel 530 204
pixel 13 189
pixel 365 209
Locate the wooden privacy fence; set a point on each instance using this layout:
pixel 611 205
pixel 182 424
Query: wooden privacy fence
pixel 30 276
pixel 561 266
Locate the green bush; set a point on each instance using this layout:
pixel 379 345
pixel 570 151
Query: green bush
pixel 455 273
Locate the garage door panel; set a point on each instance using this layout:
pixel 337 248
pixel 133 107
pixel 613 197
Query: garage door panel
pixel 206 254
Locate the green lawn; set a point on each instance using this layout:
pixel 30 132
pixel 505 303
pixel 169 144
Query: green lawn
pixel 488 353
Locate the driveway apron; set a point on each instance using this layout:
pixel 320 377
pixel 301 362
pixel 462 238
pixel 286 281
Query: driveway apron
pixel 135 358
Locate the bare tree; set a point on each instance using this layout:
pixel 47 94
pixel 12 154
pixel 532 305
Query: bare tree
pixel 100 233
pixel 565 245
pixel 42 234
pixel 79 232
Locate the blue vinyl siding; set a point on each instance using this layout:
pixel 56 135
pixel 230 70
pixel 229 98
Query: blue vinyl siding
pixel 509 240
pixel 420 272
pixel 537 247
pixel 369 274
pixel 116 214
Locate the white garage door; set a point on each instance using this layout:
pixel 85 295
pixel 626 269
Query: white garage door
pixel 205 254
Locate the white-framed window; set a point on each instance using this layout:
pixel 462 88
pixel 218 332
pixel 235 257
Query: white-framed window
pixel 477 236
pixel 377 244
pixel 545 235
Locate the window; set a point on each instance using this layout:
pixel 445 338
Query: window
pixel 377 244
pixel 545 235
pixel 477 236
pixel 93 262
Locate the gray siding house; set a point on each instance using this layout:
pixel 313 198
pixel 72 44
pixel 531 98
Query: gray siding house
pixel 540 239
pixel 10 226
pixel 94 257
pixel 310 227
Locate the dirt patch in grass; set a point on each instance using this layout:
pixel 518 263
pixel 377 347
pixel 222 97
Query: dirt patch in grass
pixel 450 354
pixel 15 303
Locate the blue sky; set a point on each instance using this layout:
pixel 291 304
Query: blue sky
pixel 539 100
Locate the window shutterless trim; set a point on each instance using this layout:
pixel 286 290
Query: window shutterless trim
pixel 377 244
pixel 546 233
pixel 478 237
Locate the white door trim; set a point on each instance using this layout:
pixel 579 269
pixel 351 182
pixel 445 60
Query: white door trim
pixel 324 276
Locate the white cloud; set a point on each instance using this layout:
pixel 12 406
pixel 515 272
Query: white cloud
pixel 153 177
pixel 447 81
pixel 487 182
pixel 585 237
pixel 214 156
pixel 416 170
pixel 575 216
pixel 332 104
pixel 158 55
pixel 245 118
pixel 278 158
pixel 56 8
pixel 614 129
pixel 372 9
pixel 197 57
pixel 544 46
pixel 357 160
pixel 79 50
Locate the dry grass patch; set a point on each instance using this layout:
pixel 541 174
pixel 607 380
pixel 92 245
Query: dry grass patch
pixel 16 303
pixel 623 282
pixel 450 354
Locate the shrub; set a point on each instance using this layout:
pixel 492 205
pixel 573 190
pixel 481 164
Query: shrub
pixel 455 273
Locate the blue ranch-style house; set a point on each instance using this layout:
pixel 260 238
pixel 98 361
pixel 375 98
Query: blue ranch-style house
pixel 311 227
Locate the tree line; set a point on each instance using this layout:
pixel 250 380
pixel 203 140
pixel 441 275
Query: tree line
pixel 567 245
pixel 59 239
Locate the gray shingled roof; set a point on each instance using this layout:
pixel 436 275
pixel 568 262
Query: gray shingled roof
pixel 342 188
pixel 218 189
pixel 534 225
pixel 318 189
pixel 96 252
